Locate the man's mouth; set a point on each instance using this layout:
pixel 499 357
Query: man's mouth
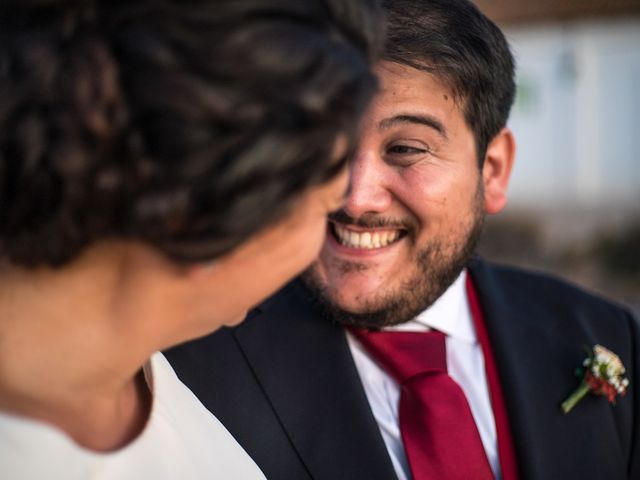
pixel 363 238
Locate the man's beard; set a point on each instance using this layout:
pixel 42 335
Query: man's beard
pixel 437 268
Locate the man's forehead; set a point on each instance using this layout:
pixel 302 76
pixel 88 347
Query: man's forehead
pixel 389 71
pixel 406 90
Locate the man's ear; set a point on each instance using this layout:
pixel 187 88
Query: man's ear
pixel 496 170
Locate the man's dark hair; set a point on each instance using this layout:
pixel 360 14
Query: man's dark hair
pixel 458 44
pixel 188 125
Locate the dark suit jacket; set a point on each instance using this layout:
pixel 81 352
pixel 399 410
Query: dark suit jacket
pixel 285 385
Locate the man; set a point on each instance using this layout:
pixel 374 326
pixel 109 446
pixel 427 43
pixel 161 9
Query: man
pixel 310 398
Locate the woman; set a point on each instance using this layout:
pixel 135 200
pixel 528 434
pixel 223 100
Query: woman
pixel 164 166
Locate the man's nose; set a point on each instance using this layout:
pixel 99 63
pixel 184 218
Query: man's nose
pixel 368 187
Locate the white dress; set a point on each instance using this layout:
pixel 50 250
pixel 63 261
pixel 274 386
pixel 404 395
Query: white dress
pixel 182 440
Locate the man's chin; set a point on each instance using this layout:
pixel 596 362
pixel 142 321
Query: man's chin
pixel 348 291
pixel 349 306
pixel 346 305
pixel 352 297
pixel 391 289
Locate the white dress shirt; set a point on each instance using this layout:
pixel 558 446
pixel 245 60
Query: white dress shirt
pixel 182 440
pixel 451 315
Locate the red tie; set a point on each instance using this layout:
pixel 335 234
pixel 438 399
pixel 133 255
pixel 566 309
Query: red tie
pixel 439 434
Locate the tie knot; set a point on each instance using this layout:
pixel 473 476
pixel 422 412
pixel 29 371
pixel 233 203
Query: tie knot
pixel 405 354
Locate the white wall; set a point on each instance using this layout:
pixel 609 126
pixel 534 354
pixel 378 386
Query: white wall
pixel 577 114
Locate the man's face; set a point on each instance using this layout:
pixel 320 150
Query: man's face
pixel 414 209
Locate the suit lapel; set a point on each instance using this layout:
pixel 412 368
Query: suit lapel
pixel 536 354
pixel 305 368
pixel 511 342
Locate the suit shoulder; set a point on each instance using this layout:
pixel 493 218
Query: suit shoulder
pixel 290 299
pixel 546 289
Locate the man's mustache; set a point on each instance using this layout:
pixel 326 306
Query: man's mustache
pixel 373 220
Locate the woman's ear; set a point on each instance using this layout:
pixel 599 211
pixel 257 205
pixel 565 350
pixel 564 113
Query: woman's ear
pixel 496 170
pixel 200 271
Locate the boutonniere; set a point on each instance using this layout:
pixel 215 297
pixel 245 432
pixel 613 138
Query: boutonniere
pixel 602 373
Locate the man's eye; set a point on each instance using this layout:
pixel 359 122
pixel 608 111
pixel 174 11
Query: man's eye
pixel 405 150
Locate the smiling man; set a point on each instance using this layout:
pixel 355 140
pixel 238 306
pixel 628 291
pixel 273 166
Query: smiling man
pixel 399 354
pixel 419 192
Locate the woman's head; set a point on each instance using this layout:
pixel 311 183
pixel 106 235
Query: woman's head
pixel 188 126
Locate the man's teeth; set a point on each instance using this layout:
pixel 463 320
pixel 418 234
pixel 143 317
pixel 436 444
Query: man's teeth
pixel 375 239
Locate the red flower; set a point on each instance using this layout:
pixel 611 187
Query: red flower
pixel 602 374
pixel 599 386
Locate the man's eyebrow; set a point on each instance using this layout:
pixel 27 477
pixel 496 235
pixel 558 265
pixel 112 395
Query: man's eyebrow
pixel 426 120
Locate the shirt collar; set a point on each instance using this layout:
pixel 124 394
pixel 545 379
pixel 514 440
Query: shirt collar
pixel 449 314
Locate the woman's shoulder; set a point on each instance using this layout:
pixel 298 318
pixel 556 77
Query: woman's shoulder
pixel 181 439
pixel 178 414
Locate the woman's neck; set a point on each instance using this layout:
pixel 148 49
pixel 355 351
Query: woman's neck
pixel 67 357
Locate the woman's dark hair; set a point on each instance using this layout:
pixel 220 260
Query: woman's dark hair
pixel 188 125
pixel 457 43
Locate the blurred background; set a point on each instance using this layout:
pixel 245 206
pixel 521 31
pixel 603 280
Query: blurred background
pixel 574 200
